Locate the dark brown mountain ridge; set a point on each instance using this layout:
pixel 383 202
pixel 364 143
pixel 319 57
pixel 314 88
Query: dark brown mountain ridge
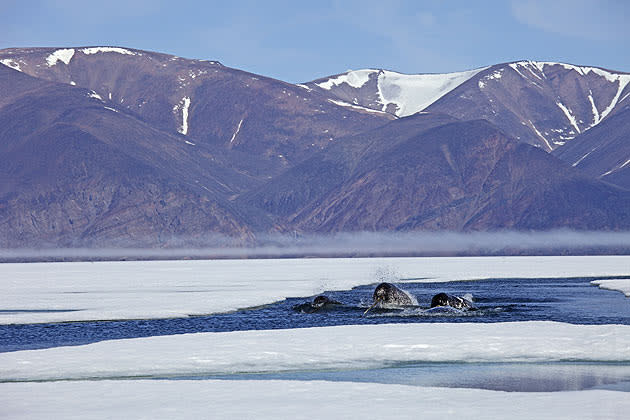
pixel 109 146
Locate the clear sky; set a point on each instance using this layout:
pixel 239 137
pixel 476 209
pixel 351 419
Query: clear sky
pixel 299 41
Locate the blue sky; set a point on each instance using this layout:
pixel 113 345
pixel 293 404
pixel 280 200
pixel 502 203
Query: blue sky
pixel 300 41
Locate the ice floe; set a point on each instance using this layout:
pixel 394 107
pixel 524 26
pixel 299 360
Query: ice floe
pixel 346 347
pixel 620 285
pixel 185 399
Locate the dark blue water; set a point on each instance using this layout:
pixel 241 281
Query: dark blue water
pixel 498 300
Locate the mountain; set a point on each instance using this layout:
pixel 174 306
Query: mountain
pixel 440 174
pixel 106 145
pixel 388 91
pixel 248 115
pixel 541 103
pixel 306 184
pixel 603 152
pixel 76 172
pixel 110 146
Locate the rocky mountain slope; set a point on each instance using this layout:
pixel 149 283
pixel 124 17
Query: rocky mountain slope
pixel 603 152
pixel 109 146
pixel 440 174
pixel 76 172
pixel 207 103
pixel 541 103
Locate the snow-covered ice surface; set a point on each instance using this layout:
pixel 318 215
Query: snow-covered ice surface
pixel 56 292
pixel 619 285
pixel 87 381
pixel 321 348
pixel 89 377
pixel 150 399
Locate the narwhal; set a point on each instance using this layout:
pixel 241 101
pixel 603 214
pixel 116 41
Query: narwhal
pixel 387 293
pixel 442 299
pixel 320 302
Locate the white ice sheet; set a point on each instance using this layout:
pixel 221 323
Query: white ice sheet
pixel 294 400
pixel 341 347
pixel 619 285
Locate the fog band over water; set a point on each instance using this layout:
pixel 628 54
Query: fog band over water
pixel 354 244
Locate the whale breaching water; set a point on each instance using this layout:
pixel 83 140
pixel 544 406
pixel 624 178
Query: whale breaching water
pixel 387 293
pixel 318 303
pixel 442 299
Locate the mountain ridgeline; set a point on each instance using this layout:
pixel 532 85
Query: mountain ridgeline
pixel 109 146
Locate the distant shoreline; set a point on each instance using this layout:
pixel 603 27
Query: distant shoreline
pixel 248 254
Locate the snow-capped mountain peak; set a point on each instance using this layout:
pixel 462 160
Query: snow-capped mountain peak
pixel 543 103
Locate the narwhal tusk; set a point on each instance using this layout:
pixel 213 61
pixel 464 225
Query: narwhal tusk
pixel 373 305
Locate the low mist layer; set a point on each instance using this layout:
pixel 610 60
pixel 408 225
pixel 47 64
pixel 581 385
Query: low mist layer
pixel 356 245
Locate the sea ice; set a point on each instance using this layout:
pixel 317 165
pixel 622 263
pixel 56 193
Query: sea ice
pixel 166 289
pixel 321 348
pixel 620 285
pixel 295 400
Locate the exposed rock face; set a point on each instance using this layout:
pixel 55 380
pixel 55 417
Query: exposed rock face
pixel 455 176
pixel 603 152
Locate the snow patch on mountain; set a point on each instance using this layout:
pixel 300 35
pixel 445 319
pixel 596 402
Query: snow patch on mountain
pixel 583 157
pixel 596 117
pixel 532 68
pixel 408 93
pixel 414 92
pixel 540 135
pixel 184 105
pixel 95 50
pixel 64 55
pixel 584 70
pixel 95 95
pixel 354 78
pixel 184 129
pixel 357 107
pixel 238 130
pixel 623 80
pixel 616 168
pixel 569 115
pixel 539 72
pixel 11 63
pixel 496 75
